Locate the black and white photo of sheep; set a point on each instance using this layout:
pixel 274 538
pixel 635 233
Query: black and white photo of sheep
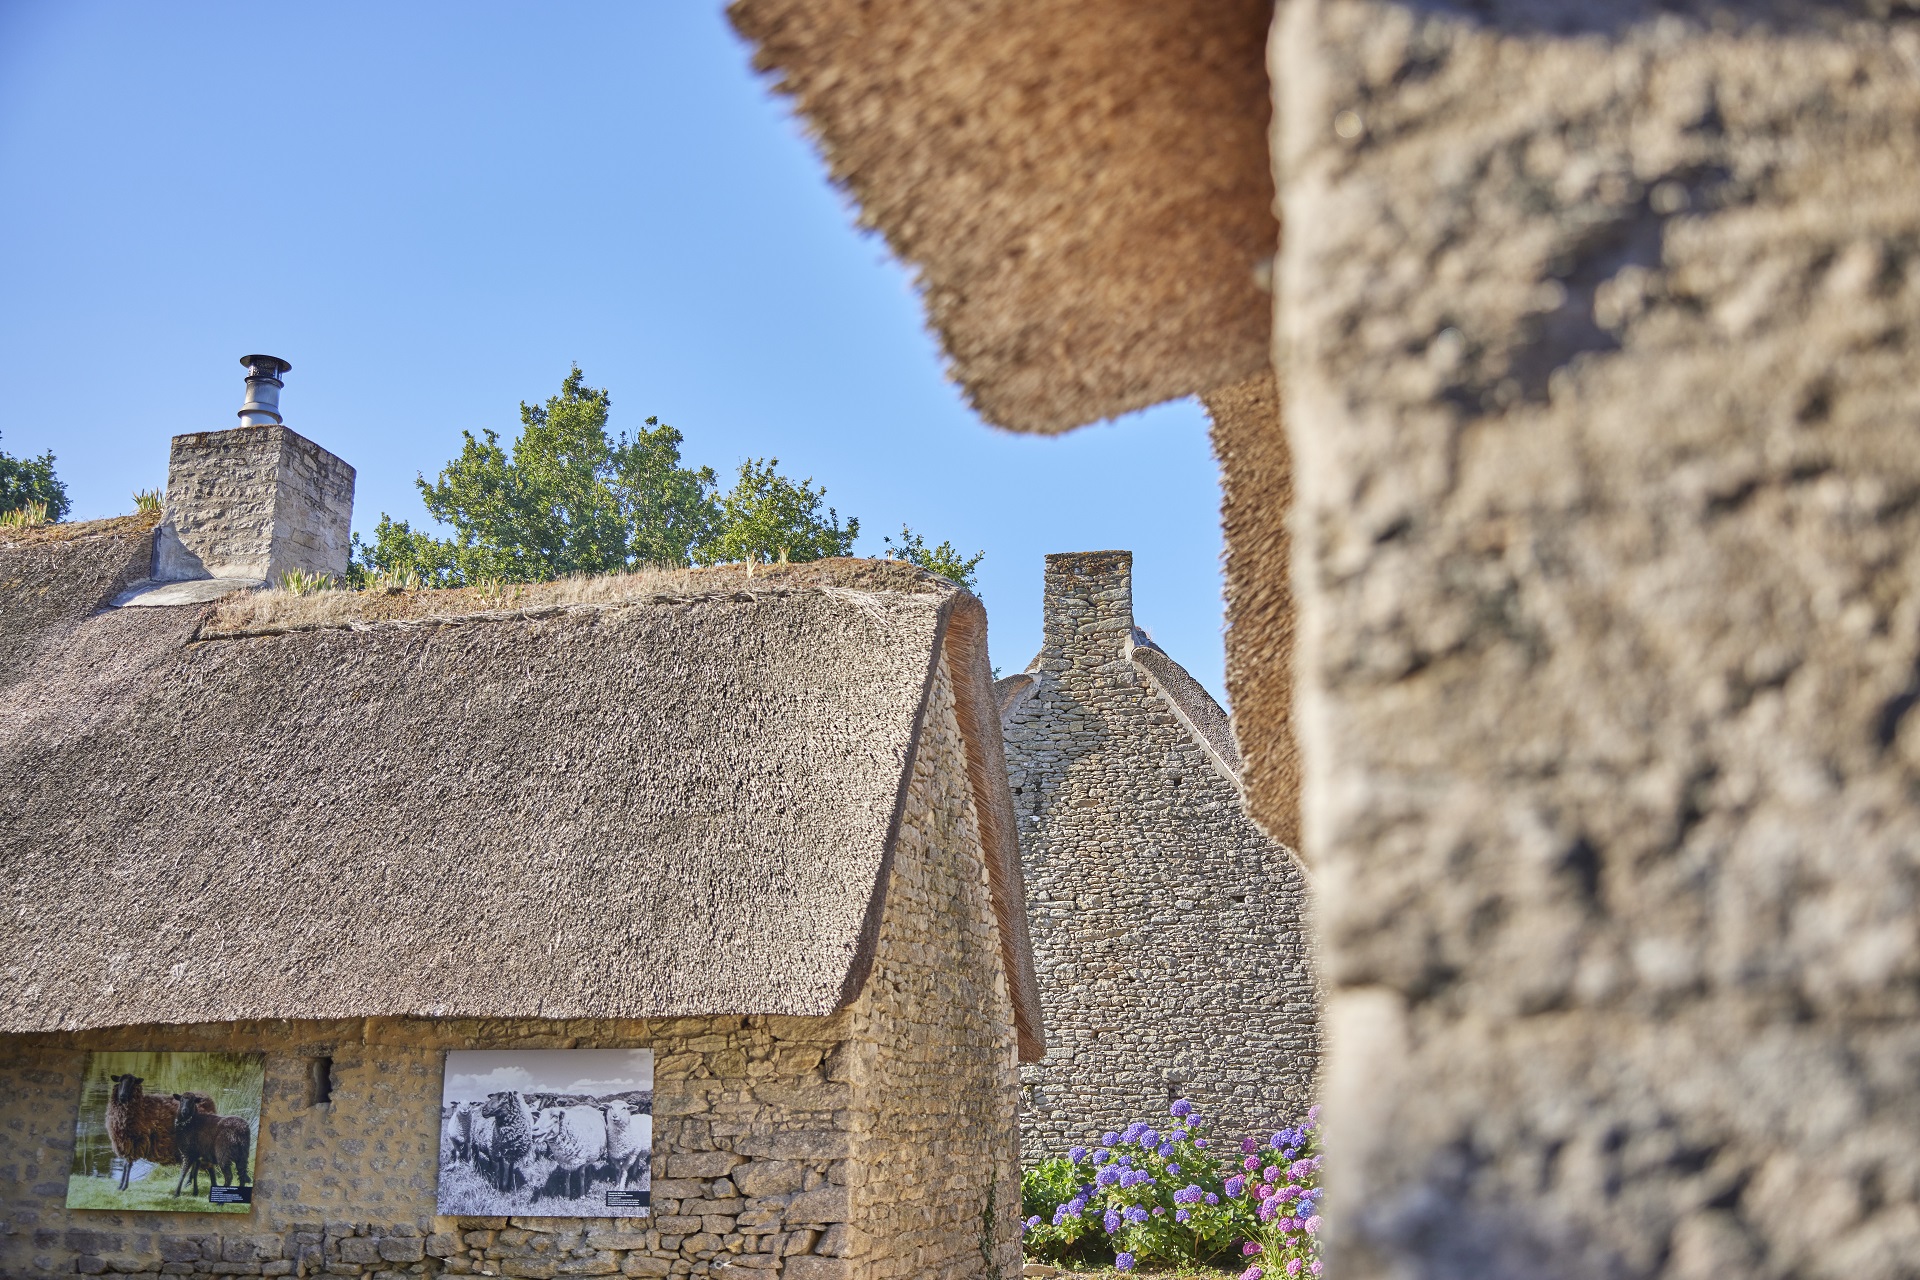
pixel 565 1133
pixel 152 1127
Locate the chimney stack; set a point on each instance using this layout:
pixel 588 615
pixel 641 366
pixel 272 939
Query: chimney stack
pixel 249 504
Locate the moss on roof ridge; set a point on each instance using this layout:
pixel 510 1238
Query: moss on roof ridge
pixel 110 527
pixel 279 612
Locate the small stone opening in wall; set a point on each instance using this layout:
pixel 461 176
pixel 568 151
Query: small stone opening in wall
pixel 1239 899
pixel 319 1081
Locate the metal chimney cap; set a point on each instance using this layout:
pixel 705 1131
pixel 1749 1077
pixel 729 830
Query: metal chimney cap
pixel 271 366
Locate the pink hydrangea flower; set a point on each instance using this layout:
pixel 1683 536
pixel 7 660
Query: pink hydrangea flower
pixel 1313 1225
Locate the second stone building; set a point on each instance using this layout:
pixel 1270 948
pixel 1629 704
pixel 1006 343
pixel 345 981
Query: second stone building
pixel 1169 933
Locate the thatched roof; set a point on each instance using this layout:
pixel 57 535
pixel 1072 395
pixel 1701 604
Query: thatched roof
pixel 662 801
pixel 1256 468
pixel 1083 187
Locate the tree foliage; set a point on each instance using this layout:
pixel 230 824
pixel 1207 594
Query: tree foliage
pixel 564 497
pixel 768 518
pixel 944 559
pixel 26 480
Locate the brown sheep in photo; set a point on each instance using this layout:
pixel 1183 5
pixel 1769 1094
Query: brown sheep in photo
pixel 207 1140
pixel 140 1127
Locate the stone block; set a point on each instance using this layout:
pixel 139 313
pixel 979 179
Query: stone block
pixel 357 1249
pixel 179 1249
pixel 530 1268
pixel 823 1205
pixel 443 1244
pixel 617 1239
pixel 640 1264
pixel 769 1177
pixel 403 1249
pixel 600 1264
pixel 88 1264
pixel 810 1267
pixel 677 1224
pixel 702 1164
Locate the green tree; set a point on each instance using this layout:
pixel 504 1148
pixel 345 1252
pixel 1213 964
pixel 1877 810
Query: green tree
pixel 768 517
pixel 24 480
pixel 563 498
pixel 944 559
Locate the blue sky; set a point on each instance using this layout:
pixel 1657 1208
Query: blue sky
pixel 431 209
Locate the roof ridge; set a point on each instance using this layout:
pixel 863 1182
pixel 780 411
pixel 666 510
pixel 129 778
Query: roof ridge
pixel 854 595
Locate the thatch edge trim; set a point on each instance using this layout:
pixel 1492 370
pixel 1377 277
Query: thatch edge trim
pixel 978 712
pixel 962 622
pixel 207 635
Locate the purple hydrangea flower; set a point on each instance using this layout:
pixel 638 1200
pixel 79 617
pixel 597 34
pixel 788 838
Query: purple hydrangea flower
pixel 1279 1140
pixel 1031 1223
pixel 1272 1173
pixel 1181 1108
pixel 1212 1198
pixel 1111 1220
pixel 1250 1248
pixel 1107 1176
pixel 1252 1273
pixel 1123 1261
pixel 1076 1206
pixel 1164 1150
pixel 1236 1184
pixel 1181 1215
pixel 1312 1225
pixel 1293 1266
pixel 1108 1138
pixel 1173 1168
pixel 1059 1215
pixel 1200 1143
pixel 1248 1146
pixel 1313 1268
pixel 1135 1213
pixel 1148 1137
pixel 1313 1113
pixel 1188 1195
pixel 1076 1154
pixel 1178 1135
pixel 1251 1164
pixel 1134 1131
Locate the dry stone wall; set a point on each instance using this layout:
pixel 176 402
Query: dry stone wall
pixel 936 1192
pixel 1600 335
pixel 1170 935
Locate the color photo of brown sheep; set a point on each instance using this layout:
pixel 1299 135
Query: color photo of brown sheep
pixel 130 1151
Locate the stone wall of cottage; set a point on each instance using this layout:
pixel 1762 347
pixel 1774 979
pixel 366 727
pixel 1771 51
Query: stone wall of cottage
pixel 750 1136
pixel 936 1187
pixel 1169 933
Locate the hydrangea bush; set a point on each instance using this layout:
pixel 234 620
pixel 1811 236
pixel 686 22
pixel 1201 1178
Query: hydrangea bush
pixel 1173 1196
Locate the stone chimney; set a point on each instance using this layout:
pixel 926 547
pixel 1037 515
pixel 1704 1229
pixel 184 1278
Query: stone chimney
pixel 256 501
pixel 1088 608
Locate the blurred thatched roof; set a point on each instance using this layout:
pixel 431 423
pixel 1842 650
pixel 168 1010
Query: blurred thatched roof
pixel 1083 185
pixel 672 800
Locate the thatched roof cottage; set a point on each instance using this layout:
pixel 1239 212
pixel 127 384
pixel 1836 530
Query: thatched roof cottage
pixel 758 824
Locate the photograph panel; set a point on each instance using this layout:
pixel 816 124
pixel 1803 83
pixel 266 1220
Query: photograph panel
pixel 154 1127
pixel 563 1133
